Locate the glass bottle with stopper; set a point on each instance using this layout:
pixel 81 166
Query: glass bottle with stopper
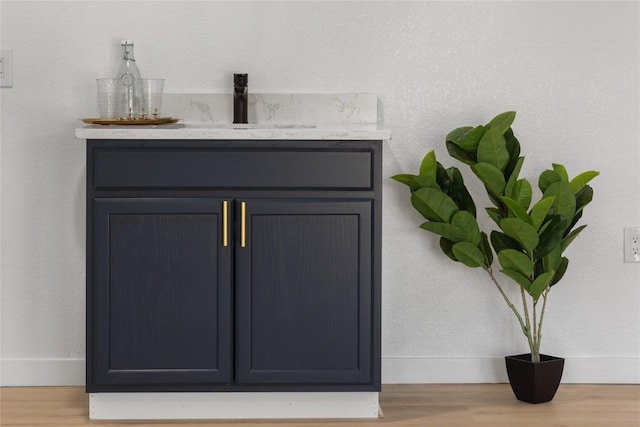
pixel 128 73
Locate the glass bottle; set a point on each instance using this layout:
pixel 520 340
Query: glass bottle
pixel 128 72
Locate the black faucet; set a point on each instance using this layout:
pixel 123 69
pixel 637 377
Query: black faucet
pixel 240 98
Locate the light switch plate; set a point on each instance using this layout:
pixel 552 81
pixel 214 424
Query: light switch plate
pixel 6 72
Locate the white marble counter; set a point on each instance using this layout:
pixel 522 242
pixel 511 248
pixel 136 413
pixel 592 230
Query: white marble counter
pixel 346 116
pixel 181 131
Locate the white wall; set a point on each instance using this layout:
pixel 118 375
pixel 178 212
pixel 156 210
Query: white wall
pixel 570 70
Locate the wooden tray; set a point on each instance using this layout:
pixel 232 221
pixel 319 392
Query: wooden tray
pixel 150 121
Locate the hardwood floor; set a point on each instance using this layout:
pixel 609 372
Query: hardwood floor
pixel 439 405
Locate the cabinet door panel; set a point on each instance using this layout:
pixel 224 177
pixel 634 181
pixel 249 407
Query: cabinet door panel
pixel 304 293
pixel 162 304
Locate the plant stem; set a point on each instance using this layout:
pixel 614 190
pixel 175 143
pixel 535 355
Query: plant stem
pixel 544 305
pixel 527 318
pixel 535 351
pixel 525 328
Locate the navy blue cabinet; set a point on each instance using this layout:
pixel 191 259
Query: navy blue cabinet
pixel 162 292
pixel 236 266
pixel 303 293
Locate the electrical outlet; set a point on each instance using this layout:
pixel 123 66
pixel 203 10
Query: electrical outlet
pixel 6 77
pixel 632 244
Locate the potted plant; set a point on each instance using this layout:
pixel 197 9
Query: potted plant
pixel 530 238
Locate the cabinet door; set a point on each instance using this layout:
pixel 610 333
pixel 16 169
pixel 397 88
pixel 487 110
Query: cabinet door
pixel 160 308
pixel 304 292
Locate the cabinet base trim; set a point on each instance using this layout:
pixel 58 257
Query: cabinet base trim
pixel 175 406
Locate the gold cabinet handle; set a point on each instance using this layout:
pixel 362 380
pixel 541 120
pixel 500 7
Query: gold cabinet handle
pixel 243 224
pixel 225 223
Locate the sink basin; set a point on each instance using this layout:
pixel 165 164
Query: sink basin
pixel 269 126
pixel 249 126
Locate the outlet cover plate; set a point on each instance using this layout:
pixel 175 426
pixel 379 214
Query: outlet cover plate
pixel 632 244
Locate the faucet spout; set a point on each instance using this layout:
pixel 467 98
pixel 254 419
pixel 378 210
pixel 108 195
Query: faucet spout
pixel 240 98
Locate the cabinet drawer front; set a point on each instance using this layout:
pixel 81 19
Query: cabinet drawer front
pixel 277 168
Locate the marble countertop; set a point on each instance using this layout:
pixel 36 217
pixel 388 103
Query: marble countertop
pixel 236 132
pixel 343 116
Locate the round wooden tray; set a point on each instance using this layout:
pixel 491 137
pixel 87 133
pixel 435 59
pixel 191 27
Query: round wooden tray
pixel 150 121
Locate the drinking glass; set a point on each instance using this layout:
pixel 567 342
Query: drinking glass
pixel 108 98
pixel 148 97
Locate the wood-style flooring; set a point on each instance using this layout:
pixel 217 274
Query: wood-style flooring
pixel 438 405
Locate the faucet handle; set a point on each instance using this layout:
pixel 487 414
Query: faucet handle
pixel 240 79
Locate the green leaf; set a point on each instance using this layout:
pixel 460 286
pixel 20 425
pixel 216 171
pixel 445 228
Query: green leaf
pixel 464 228
pixel 551 261
pixel 485 247
pixel 513 148
pixel 547 178
pixel 429 164
pixel 564 263
pixel 470 139
pixel 425 181
pixel 459 193
pixel 561 171
pixel 492 149
pixel 522 193
pixel 523 232
pixel 438 203
pixel 575 220
pixel 581 180
pixel 447 247
pixel 495 214
pixel 515 260
pixel 416 182
pixel 457 133
pixel 521 280
pixel 551 236
pixel 545 224
pixel 583 197
pixel 468 254
pixel 459 154
pixel 501 241
pixel 491 177
pixel 565 202
pixel 511 182
pixel 538 268
pixel 515 209
pixel 497 202
pixel 503 121
pixel 539 211
pixel 404 178
pixel 442 178
pixel 540 284
pixel 441 228
pixel 423 208
pixel 571 237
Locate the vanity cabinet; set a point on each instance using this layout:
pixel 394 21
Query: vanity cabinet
pixel 248 265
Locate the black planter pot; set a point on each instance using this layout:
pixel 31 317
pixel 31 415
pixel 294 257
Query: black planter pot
pixel 534 382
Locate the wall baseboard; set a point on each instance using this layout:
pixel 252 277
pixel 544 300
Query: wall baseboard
pixel 434 370
pixel 41 372
pixel 395 370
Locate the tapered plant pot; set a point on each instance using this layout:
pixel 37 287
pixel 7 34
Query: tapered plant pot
pixel 534 382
